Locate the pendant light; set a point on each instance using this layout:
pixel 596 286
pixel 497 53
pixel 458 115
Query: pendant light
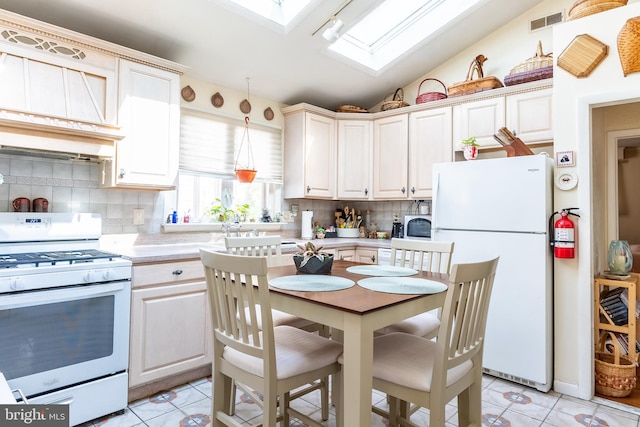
pixel 245 172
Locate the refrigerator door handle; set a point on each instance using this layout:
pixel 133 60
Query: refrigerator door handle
pixel 436 193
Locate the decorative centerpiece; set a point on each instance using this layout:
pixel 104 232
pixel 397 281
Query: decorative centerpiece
pixel 312 260
pixel 470 148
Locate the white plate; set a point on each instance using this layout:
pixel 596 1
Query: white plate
pixel 311 283
pixel 382 270
pixel 402 285
pixel 566 180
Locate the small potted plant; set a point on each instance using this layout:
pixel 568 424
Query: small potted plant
pixel 470 148
pixel 313 260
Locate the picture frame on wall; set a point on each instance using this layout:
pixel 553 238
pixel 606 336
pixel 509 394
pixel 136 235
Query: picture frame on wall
pixel 565 159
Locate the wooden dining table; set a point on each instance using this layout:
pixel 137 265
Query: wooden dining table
pixel 356 312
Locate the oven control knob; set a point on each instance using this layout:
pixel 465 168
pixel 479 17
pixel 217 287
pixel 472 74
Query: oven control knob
pixel 90 277
pixel 16 284
pixel 107 275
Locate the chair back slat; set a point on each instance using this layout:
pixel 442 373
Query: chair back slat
pixel 427 255
pixel 464 316
pixel 256 246
pixel 239 293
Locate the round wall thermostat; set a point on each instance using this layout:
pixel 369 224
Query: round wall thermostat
pixel 566 180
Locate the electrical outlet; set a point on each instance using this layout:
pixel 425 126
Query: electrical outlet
pixel 138 216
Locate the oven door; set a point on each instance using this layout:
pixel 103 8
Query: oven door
pixel 59 337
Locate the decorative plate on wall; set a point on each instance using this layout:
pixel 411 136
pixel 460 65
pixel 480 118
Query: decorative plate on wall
pixel 188 94
pixel 245 106
pixel 217 100
pixel 268 113
pixel 583 55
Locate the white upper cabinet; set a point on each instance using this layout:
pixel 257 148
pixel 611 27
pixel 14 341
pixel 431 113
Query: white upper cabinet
pixel 390 157
pixel 481 119
pixel 354 159
pixel 530 115
pixel 429 143
pixel 149 116
pixel 309 153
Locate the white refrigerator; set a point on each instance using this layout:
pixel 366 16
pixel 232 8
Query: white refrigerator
pixel 502 207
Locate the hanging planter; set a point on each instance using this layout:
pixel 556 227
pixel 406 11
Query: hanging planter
pixel 245 172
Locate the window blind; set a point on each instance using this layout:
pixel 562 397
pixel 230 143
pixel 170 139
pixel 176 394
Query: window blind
pixel 210 143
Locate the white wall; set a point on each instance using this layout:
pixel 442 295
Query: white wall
pixel 573 122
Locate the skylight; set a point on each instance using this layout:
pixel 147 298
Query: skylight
pixel 281 12
pixel 395 27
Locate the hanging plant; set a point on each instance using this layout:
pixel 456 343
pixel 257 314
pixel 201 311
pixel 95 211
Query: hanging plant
pixel 245 172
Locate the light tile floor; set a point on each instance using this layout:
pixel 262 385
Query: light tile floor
pixel 504 404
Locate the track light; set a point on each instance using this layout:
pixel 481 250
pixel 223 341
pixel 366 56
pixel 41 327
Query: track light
pixel 332 33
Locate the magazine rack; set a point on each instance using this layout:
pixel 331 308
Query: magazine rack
pixel 625 327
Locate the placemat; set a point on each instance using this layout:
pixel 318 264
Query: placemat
pixel 402 285
pixel 311 283
pixel 382 270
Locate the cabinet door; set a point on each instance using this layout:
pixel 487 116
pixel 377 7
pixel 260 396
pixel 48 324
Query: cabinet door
pixel 149 116
pixel 320 156
pixel 429 143
pixel 530 115
pixel 354 159
pixel 345 254
pixel 390 151
pixel 181 309
pixel 366 256
pixel 481 119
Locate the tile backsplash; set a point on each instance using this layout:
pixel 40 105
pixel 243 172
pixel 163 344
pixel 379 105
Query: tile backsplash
pixel 72 186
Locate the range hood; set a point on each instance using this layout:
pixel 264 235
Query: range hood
pixel 57 139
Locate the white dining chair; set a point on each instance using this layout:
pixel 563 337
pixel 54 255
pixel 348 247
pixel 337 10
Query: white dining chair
pixel 271 248
pixel 428 373
pixel 427 255
pixel 271 361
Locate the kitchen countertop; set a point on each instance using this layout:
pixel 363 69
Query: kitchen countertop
pixel 183 251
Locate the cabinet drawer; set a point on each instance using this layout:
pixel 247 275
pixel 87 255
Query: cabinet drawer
pixel 167 272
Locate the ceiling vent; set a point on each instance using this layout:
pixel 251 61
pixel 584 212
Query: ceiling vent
pixel 546 21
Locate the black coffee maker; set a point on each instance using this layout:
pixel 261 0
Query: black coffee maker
pixel 397 230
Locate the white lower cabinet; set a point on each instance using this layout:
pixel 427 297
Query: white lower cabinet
pixel 170 321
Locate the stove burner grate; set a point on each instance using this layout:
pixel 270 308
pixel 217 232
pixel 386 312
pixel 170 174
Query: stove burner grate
pixel 55 257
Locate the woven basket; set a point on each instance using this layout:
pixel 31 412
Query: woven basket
pixel 350 109
pixel 396 101
pixel 615 375
pixel 629 46
pixel 582 8
pixel 430 96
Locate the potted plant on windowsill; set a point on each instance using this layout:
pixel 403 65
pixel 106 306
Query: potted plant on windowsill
pixel 470 148
pixel 313 260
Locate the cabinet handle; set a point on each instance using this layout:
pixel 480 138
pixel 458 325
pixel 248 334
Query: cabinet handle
pixel 341 257
pixel 373 258
pixel 308 189
pixel 413 190
pixel 176 272
pixel 403 190
pixel 122 173
pixel 366 191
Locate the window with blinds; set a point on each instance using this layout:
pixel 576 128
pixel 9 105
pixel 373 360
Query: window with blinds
pixel 209 144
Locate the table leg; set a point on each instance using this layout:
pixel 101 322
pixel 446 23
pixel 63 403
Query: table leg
pixel 356 374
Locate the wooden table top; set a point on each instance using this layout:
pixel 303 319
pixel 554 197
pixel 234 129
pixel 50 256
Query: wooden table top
pixel 354 299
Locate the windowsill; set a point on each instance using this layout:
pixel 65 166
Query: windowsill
pixel 217 226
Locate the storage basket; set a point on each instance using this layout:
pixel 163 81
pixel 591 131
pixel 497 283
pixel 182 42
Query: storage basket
pixel 615 375
pixel 350 109
pixel 629 46
pixel 430 96
pixel 396 101
pixel 582 8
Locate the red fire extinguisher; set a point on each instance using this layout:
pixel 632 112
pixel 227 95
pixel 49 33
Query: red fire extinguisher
pixel 564 237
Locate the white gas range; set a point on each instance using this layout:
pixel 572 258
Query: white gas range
pixel 64 313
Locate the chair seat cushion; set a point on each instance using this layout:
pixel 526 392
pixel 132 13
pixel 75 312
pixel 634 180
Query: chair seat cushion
pixel 408 360
pixel 421 325
pixel 280 318
pixel 297 352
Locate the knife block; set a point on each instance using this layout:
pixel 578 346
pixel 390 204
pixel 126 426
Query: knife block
pixel 517 148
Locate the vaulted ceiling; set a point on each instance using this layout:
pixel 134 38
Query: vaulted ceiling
pixel 224 47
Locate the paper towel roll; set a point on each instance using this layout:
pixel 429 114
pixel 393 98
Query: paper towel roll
pixel 307 224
